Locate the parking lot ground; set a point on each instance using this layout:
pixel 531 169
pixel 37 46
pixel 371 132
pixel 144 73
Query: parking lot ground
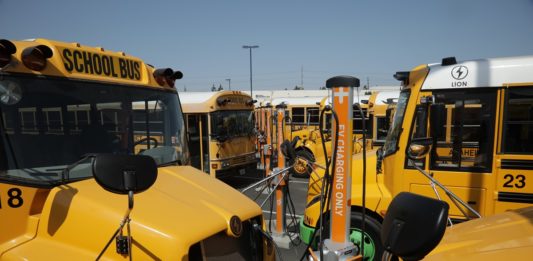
pixel 297 190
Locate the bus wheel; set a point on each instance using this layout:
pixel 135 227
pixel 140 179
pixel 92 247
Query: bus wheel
pixel 302 169
pixel 372 239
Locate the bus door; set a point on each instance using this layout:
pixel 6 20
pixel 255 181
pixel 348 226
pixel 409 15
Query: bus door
pixel 461 157
pixel 514 163
pixel 198 141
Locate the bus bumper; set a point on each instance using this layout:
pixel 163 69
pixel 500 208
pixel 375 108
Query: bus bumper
pixel 241 170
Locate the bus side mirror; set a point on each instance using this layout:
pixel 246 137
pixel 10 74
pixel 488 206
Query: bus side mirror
pixel 124 173
pixel 419 148
pixel 413 225
pixel 437 119
pixel 287 149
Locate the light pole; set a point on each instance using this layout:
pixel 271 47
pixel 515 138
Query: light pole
pixel 229 84
pixel 250 47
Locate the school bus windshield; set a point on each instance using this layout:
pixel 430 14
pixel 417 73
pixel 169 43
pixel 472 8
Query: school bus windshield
pixel 391 142
pixel 49 123
pixel 230 124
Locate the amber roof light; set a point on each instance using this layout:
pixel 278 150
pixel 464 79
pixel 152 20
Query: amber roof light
pixel 7 48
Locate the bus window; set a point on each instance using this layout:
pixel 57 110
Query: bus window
pixel 230 124
pixel 466 140
pixel 418 130
pixel 54 120
pixel 193 128
pixel 108 116
pixel 382 125
pixel 28 120
pixel 312 116
pixel 518 121
pixel 298 115
pixel 358 122
pixel 78 117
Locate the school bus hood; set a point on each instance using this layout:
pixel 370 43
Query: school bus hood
pixel 505 236
pixel 182 208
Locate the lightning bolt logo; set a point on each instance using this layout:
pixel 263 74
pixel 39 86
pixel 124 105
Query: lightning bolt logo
pixel 459 72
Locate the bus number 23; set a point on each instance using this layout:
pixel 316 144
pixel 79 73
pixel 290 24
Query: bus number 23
pixel 511 181
pixel 14 198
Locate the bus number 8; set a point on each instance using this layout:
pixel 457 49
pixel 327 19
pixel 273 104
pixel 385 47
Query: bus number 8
pixel 14 198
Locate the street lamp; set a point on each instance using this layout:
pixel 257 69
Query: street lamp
pixel 229 84
pixel 250 47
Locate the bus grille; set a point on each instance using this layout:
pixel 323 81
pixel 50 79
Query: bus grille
pixel 241 160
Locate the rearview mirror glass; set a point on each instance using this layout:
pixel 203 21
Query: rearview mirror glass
pixel 419 148
pixel 123 173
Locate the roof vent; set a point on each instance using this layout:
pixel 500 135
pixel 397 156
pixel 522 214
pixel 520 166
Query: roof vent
pixel 449 61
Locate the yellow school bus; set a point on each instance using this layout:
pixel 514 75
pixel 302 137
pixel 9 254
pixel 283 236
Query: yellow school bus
pixel 64 108
pixel 476 118
pixel 415 228
pixel 380 111
pixel 309 145
pixel 221 132
pixel 301 113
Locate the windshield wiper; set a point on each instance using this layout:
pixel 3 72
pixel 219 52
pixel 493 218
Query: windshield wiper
pixel 170 163
pixel 66 171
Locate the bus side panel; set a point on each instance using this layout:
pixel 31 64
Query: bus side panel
pixel 23 206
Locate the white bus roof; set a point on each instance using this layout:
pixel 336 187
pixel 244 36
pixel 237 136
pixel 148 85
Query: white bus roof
pixel 202 97
pixel 382 97
pixel 297 101
pixel 195 97
pixel 493 72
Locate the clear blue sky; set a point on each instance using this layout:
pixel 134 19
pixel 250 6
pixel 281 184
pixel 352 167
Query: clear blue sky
pixel 204 39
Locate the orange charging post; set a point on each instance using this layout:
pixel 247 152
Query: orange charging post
pixel 267 147
pixel 281 189
pixel 257 117
pixel 281 235
pixel 262 139
pixel 339 246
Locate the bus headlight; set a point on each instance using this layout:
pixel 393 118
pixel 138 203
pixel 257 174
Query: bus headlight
pixel 225 164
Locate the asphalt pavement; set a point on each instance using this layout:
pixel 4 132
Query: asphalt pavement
pixel 297 189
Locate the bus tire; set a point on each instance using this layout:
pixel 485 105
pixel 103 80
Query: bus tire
pixel 372 235
pixel 299 171
pixel 373 245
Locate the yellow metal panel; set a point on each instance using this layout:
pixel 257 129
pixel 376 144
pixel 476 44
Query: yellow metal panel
pixel 183 207
pixel 469 195
pixel 506 236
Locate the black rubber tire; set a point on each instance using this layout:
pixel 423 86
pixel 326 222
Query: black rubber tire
pixel 308 156
pixel 372 229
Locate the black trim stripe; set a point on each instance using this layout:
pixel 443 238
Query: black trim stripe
pixel 515 197
pixel 517 164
